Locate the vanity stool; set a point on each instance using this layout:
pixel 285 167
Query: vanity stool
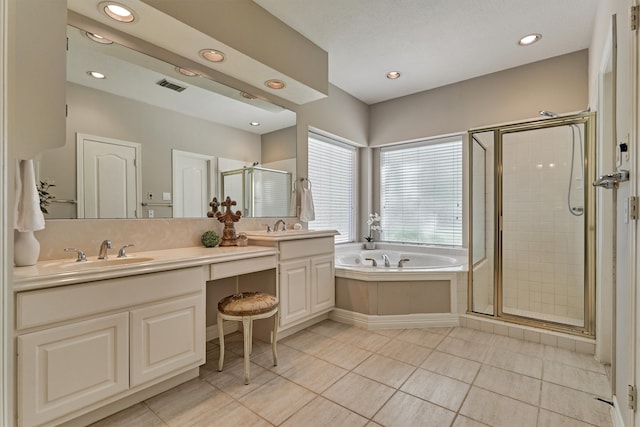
pixel 246 307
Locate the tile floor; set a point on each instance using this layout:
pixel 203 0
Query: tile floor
pixel 333 374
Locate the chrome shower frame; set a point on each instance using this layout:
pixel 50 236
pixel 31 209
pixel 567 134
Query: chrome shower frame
pixel 589 122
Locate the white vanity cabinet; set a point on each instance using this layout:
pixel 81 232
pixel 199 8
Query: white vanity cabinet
pixel 306 274
pixel 84 345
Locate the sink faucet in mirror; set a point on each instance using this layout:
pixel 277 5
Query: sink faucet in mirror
pixel 278 222
pixel 106 244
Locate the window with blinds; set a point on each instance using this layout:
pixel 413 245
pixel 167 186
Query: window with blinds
pixel 421 192
pixel 332 168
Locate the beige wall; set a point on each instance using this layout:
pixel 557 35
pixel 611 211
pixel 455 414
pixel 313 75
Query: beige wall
pixel 558 84
pixel 279 145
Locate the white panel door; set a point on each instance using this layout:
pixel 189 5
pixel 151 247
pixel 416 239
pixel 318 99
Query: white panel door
pixel 108 177
pixel 295 286
pixel 167 337
pixel 64 369
pixel 193 184
pixel 323 286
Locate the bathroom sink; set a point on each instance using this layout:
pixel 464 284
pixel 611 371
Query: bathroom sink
pixel 278 233
pixel 97 263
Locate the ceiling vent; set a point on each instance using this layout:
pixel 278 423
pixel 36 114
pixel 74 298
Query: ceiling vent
pixel 172 86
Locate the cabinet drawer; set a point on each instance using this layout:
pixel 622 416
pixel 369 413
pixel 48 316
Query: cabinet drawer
pixel 242 266
pixel 306 247
pixel 69 367
pixel 42 307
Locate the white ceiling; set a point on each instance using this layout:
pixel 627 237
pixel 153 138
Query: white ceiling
pixel 432 42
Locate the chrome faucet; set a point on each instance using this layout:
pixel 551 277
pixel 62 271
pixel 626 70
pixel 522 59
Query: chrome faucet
pixel 81 256
pixel 122 253
pixel 374 263
pixel 402 261
pixel 106 244
pixel 385 258
pixel 278 222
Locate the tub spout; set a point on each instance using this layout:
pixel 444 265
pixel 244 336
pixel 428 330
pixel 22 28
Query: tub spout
pixel 385 258
pixel 374 263
pixel 402 261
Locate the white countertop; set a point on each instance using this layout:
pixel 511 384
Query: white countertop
pixel 68 271
pixel 276 236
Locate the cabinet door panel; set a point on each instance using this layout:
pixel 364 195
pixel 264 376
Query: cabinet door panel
pixel 323 287
pixel 66 368
pixel 167 337
pixel 295 301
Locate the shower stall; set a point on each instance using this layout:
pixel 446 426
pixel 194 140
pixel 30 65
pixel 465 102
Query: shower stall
pixel 259 192
pixel 532 223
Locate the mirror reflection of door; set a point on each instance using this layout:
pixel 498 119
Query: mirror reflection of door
pixel 108 177
pixel 193 183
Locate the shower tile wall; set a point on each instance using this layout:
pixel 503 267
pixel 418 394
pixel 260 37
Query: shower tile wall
pixel 542 241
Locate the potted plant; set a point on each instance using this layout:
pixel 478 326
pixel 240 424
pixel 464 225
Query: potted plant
pixel 374 225
pixel 45 196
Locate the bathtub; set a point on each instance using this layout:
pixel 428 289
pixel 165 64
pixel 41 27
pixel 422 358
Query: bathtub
pixel 423 292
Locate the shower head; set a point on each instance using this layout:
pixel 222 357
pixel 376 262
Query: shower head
pixel 547 113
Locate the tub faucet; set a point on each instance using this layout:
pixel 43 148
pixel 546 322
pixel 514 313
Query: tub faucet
pixel 374 263
pixel 385 258
pixel 278 222
pixel 402 261
pixel 106 244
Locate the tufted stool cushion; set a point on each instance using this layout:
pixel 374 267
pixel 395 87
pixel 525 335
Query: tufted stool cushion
pixel 246 307
pixel 247 304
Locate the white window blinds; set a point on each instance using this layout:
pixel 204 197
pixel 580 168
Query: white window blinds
pixel 332 176
pixel 421 192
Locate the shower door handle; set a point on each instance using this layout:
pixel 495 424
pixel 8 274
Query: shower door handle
pixel 611 180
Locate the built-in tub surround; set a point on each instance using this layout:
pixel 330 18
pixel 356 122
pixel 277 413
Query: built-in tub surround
pixel 424 292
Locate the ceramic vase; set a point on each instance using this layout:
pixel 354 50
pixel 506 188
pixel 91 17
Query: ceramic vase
pixel 369 245
pixel 26 249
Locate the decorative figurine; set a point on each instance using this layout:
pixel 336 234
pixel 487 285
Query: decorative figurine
pixel 228 218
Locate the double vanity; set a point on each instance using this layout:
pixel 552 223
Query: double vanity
pixel 95 337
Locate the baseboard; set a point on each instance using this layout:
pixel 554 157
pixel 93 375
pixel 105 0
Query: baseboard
pixel 395 321
pixel 616 415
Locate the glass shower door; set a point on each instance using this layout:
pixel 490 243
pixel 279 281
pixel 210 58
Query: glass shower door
pixel 543 224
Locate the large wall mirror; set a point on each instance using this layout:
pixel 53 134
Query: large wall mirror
pixel 150 141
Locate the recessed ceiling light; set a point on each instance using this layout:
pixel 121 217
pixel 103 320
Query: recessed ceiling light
pixel 254 124
pixel 275 84
pixel 186 72
pixel 212 55
pixel 96 75
pixel 97 38
pixel 529 39
pixel 117 11
pixel 393 75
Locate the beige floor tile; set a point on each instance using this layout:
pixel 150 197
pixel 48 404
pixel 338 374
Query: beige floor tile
pixel 189 403
pixel 321 412
pixel 277 400
pixel 330 329
pixel 514 362
pixel 452 366
pixel 579 379
pixel 316 375
pixel 391 333
pixel 579 360
pixel 551 419
pixel 364 339
pixel 472 335
pixel 497 410
pixel 461 348
pixel 574 404
pixel 231 380
pixel 359 394
pixel 213 357
pixel 441 330
pixel 344 355
pixel 404 410
pixel 436 388
pixel 467 422
pixel 510 384
pixel 405 352
pixel 519 346
pixel 421 337
pixel 234 415
pixel 287 358
pixel 385 370
pixel 137 415
pixel 308 342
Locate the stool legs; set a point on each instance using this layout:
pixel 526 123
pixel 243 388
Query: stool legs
pixel 247 324
pixel 221 338
pixel 274 337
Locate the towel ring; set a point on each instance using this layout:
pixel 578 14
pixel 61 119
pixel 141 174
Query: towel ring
pixel 304 182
